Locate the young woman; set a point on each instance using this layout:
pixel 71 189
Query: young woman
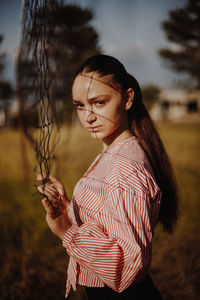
pixel 108 226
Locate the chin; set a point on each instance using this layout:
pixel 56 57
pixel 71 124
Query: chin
pixel 96 135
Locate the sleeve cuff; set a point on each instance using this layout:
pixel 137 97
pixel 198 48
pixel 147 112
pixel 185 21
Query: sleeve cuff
pixel 68 236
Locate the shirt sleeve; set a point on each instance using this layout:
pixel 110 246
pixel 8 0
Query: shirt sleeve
pixel 116 245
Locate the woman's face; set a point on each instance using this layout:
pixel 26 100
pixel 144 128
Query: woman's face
pixel 101 108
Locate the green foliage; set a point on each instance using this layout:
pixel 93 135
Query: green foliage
pixel 70 40
pixel 2 57
pixel 182 28
pixel 33 261
pixel 150 94
pixel 6 90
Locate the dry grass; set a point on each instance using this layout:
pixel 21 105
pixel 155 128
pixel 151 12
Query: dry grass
pixel 33 263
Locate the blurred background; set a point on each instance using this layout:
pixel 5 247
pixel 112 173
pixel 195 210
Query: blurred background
pixel 42 43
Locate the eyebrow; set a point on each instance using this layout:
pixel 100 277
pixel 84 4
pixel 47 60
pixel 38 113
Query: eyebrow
pixel 93 99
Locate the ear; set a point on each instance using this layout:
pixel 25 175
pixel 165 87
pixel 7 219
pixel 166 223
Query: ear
pixel 129 98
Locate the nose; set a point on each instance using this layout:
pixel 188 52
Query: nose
pixel 90 116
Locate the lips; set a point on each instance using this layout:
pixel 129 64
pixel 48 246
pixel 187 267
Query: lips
pixel 93 129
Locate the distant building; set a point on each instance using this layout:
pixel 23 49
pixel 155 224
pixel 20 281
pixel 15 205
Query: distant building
pixel 8 110
pixel 175 104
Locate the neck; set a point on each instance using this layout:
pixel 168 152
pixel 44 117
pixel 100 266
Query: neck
pixel 116 137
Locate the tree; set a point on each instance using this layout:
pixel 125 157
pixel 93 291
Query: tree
pixel 150 94
pixel 6 90
pixel 182 28
pixel 71 39
pixel 2 57
pixel 55 39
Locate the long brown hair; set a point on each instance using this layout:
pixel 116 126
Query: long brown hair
pixel 143 128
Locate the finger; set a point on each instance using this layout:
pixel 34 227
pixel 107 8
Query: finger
pixel 52 179
pixel 55 182
pixel 50 188
pixel 41 177
pixel 60 188
pixel 49 192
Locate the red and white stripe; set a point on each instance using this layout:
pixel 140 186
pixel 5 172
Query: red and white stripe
pixel 113 212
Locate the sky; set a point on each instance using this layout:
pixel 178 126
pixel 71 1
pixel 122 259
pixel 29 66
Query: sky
pixel 130 30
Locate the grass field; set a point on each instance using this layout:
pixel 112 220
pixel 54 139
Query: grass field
pixel 33 262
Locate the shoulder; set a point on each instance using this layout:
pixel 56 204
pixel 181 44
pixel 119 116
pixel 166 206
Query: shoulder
pixel 130 151
pixel 131 169
pixel 128 154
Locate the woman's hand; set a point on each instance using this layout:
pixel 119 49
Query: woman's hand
pixel 57 218
pixel 55 204
pixel 53 189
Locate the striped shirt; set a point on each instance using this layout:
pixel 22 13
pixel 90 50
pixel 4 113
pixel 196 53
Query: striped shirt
pixel 113 213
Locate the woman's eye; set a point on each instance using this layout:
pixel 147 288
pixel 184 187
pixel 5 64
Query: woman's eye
pixel 78 106
pixel 100 102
